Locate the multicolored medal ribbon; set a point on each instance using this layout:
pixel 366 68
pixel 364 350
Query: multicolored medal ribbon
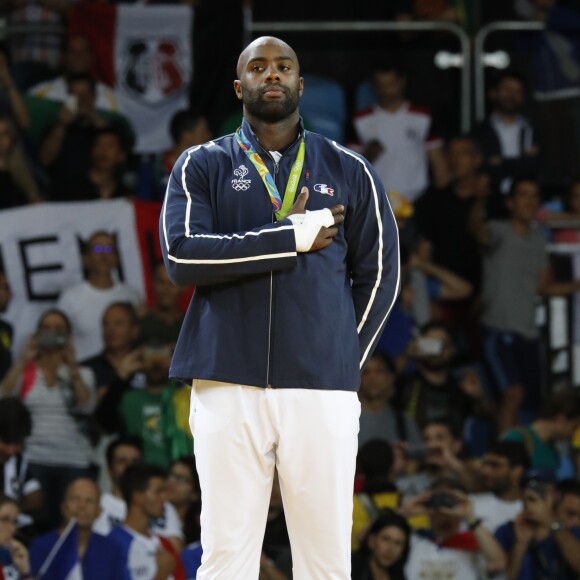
pixel 281 207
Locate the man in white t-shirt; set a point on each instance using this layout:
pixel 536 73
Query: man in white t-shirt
pixel 458 547
pixel 146 556
pixel 501 472
pixel 85 303
pixel 399 139
pixel 121 453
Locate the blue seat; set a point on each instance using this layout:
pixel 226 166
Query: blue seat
pixel 323 106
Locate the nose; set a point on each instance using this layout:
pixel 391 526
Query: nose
pixel 273 73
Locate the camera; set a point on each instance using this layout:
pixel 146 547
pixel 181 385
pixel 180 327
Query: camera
pixel 429 346
pixel 50 341
pixel 442 499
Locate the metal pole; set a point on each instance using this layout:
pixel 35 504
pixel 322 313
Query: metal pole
pixel 365 26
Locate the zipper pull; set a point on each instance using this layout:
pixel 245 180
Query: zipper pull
pixel 276 167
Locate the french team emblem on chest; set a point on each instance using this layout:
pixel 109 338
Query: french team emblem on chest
pixel 241 184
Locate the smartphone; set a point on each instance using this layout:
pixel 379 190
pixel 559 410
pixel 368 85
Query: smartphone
pixel 442 499
pixel 430 346
pixel 71 103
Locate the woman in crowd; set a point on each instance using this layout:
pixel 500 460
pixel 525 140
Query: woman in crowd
pixel 385 550
pixel 14 561
pixel 60 396
pixel 183 492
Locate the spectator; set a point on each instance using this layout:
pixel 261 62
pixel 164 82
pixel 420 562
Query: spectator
pixel 458 541
pixel 81 551
pixel 568 211
pixel 142 411
pixel 441 458
pixel 557 422
pixel 385 550
pixel 399 139
pixel 122 452
pixel 104 177
pixel 375 489
pixel 60 395
pixel 568 502
pixel 145 556
pixel 515 272
pixel 185 496
pixel 16 481
pixel 14 560
pixel 434 390
pixel 78 59
pixel 11 103
pixel 502 468
pixel 6 331
pixel 538 542
pixel 17 184
pixel 379 420
pixel 442 214
pixel 162 321
pixel 65 151
pixel 86 302
pixel 187 129
pixel 116 366
pixel 507 140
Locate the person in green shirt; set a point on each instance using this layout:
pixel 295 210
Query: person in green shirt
pixel 557 422
pixel 142 411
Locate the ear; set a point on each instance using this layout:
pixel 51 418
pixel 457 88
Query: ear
pixel 300 86
pixel 238 89
pixel 457 446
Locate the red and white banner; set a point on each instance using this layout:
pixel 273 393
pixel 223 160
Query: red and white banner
pixel 145 53
pixel 40 249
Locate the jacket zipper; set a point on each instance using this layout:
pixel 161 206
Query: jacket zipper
pixel 268 365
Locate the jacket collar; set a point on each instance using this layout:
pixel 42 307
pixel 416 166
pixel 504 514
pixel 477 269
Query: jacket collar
pixel 249 133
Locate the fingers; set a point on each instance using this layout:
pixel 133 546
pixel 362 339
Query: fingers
pixel 336 209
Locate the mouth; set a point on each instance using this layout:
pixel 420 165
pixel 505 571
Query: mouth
pixel 273 92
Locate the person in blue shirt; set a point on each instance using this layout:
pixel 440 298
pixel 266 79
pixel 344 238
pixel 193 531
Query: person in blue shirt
pixel 79 549
pixel 540 542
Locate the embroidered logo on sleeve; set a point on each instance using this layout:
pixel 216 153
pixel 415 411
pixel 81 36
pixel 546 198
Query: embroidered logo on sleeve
pixel 324 189
pixel 241 184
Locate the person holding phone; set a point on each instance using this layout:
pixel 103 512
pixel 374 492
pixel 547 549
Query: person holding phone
pixel 60 395
pixel 539 542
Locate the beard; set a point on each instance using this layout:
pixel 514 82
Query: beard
pixel 271 111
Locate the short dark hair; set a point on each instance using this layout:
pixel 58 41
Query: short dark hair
pixel 385 359
pixel 127 307
pixel 136 478
pixel 15 421
pixel 116 132
pixel 182 122
pixel 450 423
pixel 82 77
pixel 507 74
pixel 568 487
pixel 129 440
pixel 375 459
pixel 514 451
pixel 390 66
pixel 519 180
pixel 565 402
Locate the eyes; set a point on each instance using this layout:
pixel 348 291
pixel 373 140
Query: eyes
pixel 259 68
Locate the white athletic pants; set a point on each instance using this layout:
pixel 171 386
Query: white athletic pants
pixel 240 435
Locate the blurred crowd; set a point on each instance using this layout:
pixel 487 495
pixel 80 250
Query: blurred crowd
pixel 469 448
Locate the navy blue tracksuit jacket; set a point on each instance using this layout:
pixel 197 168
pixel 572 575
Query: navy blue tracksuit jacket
pixel 263 314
